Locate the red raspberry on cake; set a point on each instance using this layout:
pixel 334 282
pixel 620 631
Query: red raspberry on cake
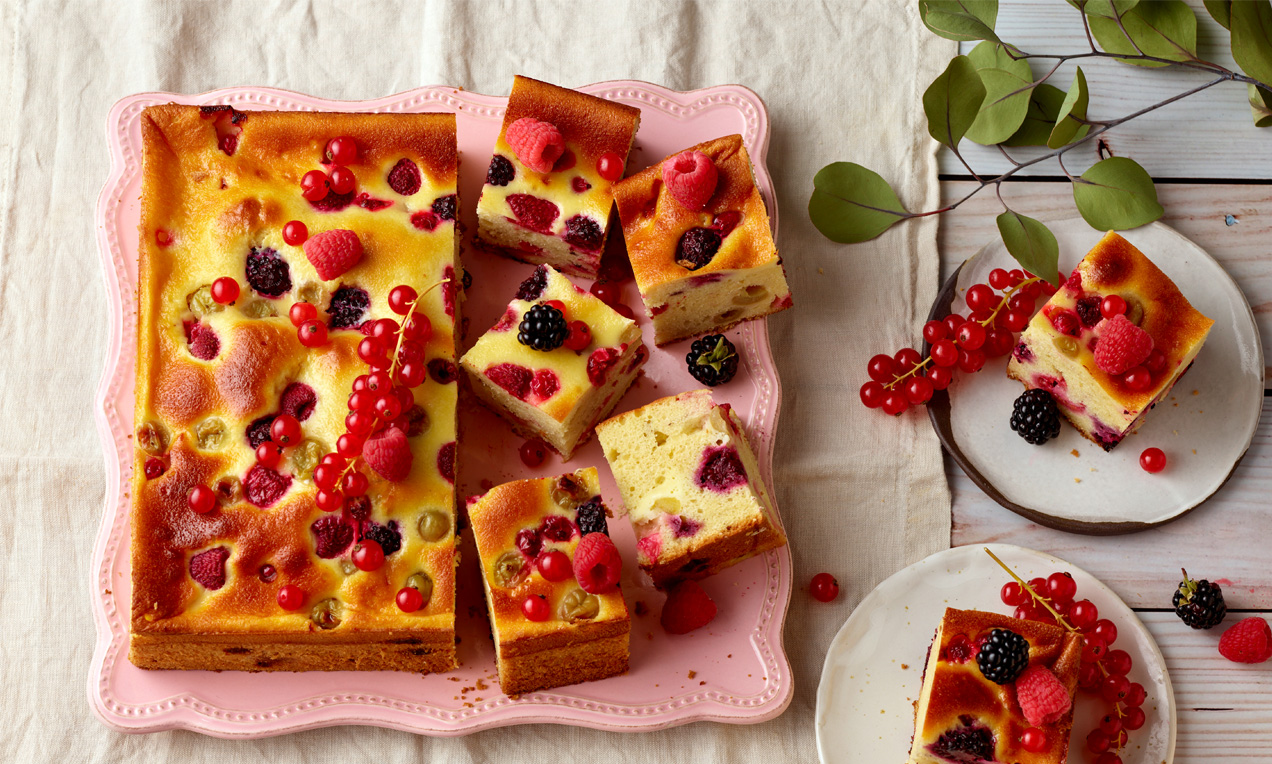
pixel 1121 345
pixel 333 252
pixel 691 178
pixel 1042 698
pixel 550 184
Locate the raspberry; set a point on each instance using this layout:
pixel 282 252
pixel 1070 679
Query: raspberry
pixel 528 542
pixel 332 536
pixel 537 144
pixel 545 383
pixel 1122 345
pixel 696 248
pixel 333 252
pixel 511 377
pixel 446 207
pixel 1041 696
pixel 501 171
pixel 446 461
pixel 532 212
pixel 387 536
pixel 333 202
pixel 208 568
pixel 358 507
pixel 267 273
pixel 425 220
pixel 687 608
pixel 691 178
pixel 1248 641
pixel 683 527
pixel 298 400
pixel 599 363
pixel 405 177
pixel 258 430
pixel 263 486
pixel 583 232
pixel 557 528
pixel 531 289
pixel 597 565
pixel 721 469
pixel 389 454
pixel 204 343
pixel 348 305
pixel 590 517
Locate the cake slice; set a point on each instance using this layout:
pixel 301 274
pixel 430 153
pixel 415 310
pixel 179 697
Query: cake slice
pixel 963 716
pixel 557 362
pixel 691 486
pixel 550 627
pixel 706 260
pixel 549 188
pixel 1151 335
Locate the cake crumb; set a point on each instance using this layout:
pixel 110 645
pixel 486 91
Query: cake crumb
pixel 1075 453
pixel 1194 392
pixel 468 705
pixel 905 667
pixel 454 679
pixel 1194 452
pixel 820 272
pixel 1077 480
pixel 730 655
pixel 702 683
pixel 482 685
pixel 693 674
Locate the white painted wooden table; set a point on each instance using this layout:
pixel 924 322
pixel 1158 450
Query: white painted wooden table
pixel 1211 163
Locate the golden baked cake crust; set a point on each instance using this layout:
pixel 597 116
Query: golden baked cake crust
pixel 218 186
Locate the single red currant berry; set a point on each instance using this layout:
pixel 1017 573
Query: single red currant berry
pixel 535 608
pixel 1138 379
pixel 1118 662
pixel 409 599
pixel 362 400
pixel 1039 586
pixel 941 377
pixel 1108 757
pixel 1016 320
pixel 1156 361
pixel 1135 696
pixel 610 166
pixel 285 431
pixel 334 460
pixel 944 353
pixel 981 297
pixel 312 333
pixel 895 403
pixel 342 150
pixel 906 359
pixel 385 330
pixel 1084 614
pixel 290 597
pixel 934 331
pixel 379 382
pixel 314 185
pixel 328 501
pixel 295 233
pixel 952 322
pixel 343 180
pixel 580 336
pixel 201 499
pixel 1021 301
pixel 388 407
pixel 881 368
pixel 1089 676
pixel 1061 587
pixel 872 394
pixel 555 566
pixel 1097 741
pixel 301 312
pixel 1115 688
pixel 368 555
pixel 417 327
pixel 533 453
pixel 400 299
pixel 999 279
pixel 1105 630
pixel 1014 277
pixel 607 292
pixel 998 343
pixel 1093 649
pixel 268 454
pixel 556 304
pixel 412 374
pixel 225 290
pixel 1153 460
pixel 355 484
pixel 971 361
pixel 1012 593
pixel 372 352
pixel 971 336
pixel 1065 323
pixel 918 390
pixel 326 476
pixel 1134 718
pixel 1034 740
pixel 1112 306
pixel 1024 612
pixel 824 587
pixel 349 445
pixel 360 422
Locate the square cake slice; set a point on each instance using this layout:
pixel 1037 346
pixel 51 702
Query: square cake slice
pixel 705 265
pixel 556 379
pixel 1151 335
pixel 691 485
pixel 239 561
pixel 962 716
pixel 549 630
pixel 550 185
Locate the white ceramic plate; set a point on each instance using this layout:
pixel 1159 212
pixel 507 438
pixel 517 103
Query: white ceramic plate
pixel 873 670
pixel 1205 425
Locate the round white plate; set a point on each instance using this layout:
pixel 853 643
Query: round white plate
pixel 873 670
pixel 1205 425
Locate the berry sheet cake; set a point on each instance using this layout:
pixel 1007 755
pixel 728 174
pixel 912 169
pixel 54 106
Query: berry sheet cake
pixel 699 241
pixel 1111 342
pixel 293 486
pixel 549 188
pixel 551 576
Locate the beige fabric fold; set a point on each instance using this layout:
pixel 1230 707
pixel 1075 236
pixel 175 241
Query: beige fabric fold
pixel 861 494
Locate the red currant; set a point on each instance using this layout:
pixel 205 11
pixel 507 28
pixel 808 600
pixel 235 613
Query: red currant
pixel 379 382
pixel 1083 614
pixel 326 476
pixel 1153 460
pixel 301 312
pixel 556 304
pixel 1039 586
pixel 290 597
pixel 1118 662
pixel 201 499
pixel 1061 587
pixel 1138 379
pixel 225 290
pixel 1089 676
pixel 1034 740
pixel 999 279
pixel 624 311
pixel 1016 320
pixel 933 331
pixel 312 333
pixel 1021 301
pixel 872 394
pixel 343 180
pixel 355 484
pixel 1114 688
pixel 918 390
pixel 555 566
pixel 1134 718
pixel 895 403
pixel 412 373
pixel 906 359
pixel 1106 630
pixel 944 353
pixel 328 501
pixel 606 292
pixel 342 150
pixel 409 599
pixel 1015 276
pixel 981 297
pixel 1012 593
pixel 362 400
pixel 417 327
pixel 1065 323
pixel 385 330
pixel 372 352
pixel 333 460
pixel 295 233
pixel 536 608
pixel 952 322
pixel 941 377
pixel 1112 306
pixel 881 368
pixel 824 587
pixel 1135 696
pixel 580 336
pixel 349 445
pixel 971 336
pixel 268 454
pixel 368 555
pixel 1097 741
pixel 1156 361
pixel 400 299
pixel 1108 757
pixel 388 407
pixel 285 431
pixel 314 185
pixel 1093 649
pixel 533 453
pixel 610 166
pixel 971 361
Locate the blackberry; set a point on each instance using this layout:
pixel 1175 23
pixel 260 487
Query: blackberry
pixel 1199 603
pixel 591 517
pixel 966 743
pixel 1089 310
pixel 583 232
pixel 712 360
pixel 531 289
pixel 445 206
pixel 258 430
pixel 1034 416
pixel 269 274
pixel 501 171
pixel 348 305
pixel 387 536
pixel 696 247
pixel 1003 656
pixel 542 328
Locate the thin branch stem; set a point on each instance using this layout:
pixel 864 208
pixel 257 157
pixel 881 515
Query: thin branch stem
pixel 1007 156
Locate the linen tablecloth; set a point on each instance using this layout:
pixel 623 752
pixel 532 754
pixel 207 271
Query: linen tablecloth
pixel 861 495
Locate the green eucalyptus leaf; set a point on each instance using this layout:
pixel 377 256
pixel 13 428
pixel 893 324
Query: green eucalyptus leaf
pixel 962 20
pixel 1252 38
pixel 1220 10
pixel 1105 8
pixel 1008 84
pixel 1068 129
pixel 1162 29
pixel 1031 243
pixel 1260 106
pixel 851 203
pixel 1116 194
pixel 952 101
pixel 1040 119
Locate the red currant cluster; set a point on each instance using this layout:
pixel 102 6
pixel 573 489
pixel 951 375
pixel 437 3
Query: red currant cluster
pixel 907 379
pixel 1103 670
pixel 316 184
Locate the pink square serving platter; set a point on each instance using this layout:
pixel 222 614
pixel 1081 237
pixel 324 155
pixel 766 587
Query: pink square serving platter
pixel 734 670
